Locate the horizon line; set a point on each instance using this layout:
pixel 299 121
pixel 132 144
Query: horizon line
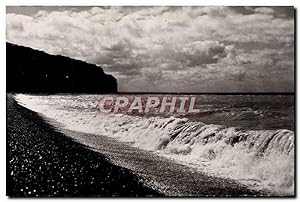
pixel 212 93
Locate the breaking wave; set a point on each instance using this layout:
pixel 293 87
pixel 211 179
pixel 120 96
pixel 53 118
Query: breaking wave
pixel 262 159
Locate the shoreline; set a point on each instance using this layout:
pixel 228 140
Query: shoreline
pixel 44 163
pixel 211 186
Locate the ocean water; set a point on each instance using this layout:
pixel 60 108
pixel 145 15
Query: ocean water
pixel 259 112
pixel 248 138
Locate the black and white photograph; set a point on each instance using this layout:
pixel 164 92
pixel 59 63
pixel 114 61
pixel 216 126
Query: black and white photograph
pixel 150 101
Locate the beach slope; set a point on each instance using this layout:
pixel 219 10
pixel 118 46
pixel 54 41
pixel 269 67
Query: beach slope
pixel 42 162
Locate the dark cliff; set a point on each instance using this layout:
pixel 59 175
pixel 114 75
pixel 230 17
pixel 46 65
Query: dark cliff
pixel 33 71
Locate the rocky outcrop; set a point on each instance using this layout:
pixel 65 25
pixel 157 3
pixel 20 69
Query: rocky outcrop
pixel 33 71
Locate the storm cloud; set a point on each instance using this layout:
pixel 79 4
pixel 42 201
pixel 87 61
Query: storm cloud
pixel 176 49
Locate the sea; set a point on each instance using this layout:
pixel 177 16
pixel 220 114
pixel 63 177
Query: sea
pixel 247 138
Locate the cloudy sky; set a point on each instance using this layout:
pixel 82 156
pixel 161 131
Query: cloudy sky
pixel 170 49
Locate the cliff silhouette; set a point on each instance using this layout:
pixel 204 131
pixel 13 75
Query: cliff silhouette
pixel 33 71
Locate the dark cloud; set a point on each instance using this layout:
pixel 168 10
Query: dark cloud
pixel 276 11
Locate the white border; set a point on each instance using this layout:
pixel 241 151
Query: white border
pixel 112 2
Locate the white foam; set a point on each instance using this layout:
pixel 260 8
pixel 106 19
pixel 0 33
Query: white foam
pixel 261 159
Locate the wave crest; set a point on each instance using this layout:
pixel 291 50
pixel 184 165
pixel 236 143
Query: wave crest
pixel 262 159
